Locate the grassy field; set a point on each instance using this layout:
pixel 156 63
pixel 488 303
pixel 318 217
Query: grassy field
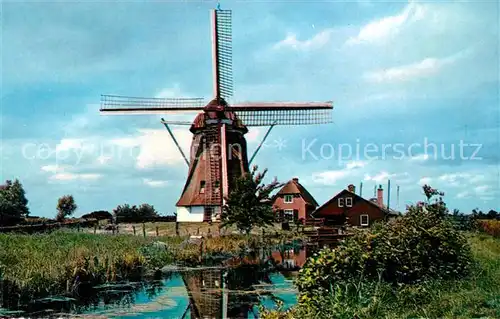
pixel 58 262
pixel 477 296
pixel 185 229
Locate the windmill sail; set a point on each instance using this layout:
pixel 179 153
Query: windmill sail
pixel 222 47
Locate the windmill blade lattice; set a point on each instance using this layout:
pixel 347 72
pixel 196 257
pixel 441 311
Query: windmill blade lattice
pixel 116 103
pixel 224 54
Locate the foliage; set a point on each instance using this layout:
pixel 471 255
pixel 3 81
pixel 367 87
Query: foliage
pixel 465 222
pixel 476 296
pixel 249 203
pixel 66 206
pixel 45 264
pixel 133 214
pixel 13 202
pixel 492 214
pixel 491 227
pixel 419 246
pixel 99 214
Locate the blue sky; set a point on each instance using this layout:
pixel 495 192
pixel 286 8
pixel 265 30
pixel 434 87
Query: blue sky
pixel 399 73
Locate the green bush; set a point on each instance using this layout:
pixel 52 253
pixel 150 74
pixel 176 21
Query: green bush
pixel 422 245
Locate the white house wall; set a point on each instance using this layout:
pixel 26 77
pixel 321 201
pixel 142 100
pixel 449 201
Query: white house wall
pixel 195 213
pixel 190 214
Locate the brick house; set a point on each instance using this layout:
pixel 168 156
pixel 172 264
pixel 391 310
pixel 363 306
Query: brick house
pixel 349 207
pixel 294 202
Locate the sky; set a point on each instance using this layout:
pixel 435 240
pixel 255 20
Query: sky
pixel 415 87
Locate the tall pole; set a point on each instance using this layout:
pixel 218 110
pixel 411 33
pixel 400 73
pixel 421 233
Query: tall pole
pixel 388 194
pixel 375 190
pixel 225 296
pixel 397 198
pixel 361 189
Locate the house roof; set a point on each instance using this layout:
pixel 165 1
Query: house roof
pixel 371 202
pixel 293 187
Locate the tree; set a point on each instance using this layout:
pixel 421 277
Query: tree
pixel 66 206
pixel 146 211
pixel 13 202
pixel 127 213
pixel 249 204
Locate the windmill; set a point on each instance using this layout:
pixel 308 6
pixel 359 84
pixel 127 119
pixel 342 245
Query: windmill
pixel 218 149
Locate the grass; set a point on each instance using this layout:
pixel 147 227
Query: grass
pixel 478 296
pixel 185 229
pixel 45 264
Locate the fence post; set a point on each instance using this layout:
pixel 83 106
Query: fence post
pixel 198 231
pixel 117 229
pixel 157 231
pixel 133 228
pixel 177 228
pixel 201 250
pixel 144 230
pixel 95 229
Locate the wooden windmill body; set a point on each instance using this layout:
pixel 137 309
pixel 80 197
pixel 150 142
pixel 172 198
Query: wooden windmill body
pixel 218 154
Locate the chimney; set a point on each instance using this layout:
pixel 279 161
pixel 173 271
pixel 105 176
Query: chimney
pixel 351 188
pixel 295 179
pixel 380 196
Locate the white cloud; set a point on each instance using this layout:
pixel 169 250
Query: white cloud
pixel 252 135
pixel 483 192
pixel 317 41
pixel 355 164
pixel 74 176
pixel 51 168
pixel 381 29
pixel 423 68
pixel 329 177
pixel 420 158
pixel 461 179
pixel 464 194
pixel 171 92
pixel 68 144
pixel 156 147
pixel 425 180
pixel 154 183
pixel 380 177
pixel 482 189
pixel 61 173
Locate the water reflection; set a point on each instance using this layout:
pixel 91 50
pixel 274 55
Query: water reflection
pixel 233 289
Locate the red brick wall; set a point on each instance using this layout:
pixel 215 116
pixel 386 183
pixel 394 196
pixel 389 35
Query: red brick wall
pixel 298 203
pixel 359 207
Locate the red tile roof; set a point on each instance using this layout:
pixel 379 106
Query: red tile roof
pixel 294 187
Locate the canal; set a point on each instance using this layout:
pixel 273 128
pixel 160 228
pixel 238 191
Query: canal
pixel 234 288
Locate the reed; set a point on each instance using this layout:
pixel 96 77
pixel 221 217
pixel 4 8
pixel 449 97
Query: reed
pixel 61 262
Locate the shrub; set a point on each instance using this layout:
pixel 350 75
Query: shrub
pixel 421 245
pixel 491 227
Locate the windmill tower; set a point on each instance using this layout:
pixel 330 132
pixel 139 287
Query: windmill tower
pixel 218 150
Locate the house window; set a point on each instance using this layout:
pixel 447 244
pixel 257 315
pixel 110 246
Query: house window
pixel 288 214
pixel 288 199
pixel 348 202
pixel 341 202
pixel 216 186
pixel 202 187
pixel 364 220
